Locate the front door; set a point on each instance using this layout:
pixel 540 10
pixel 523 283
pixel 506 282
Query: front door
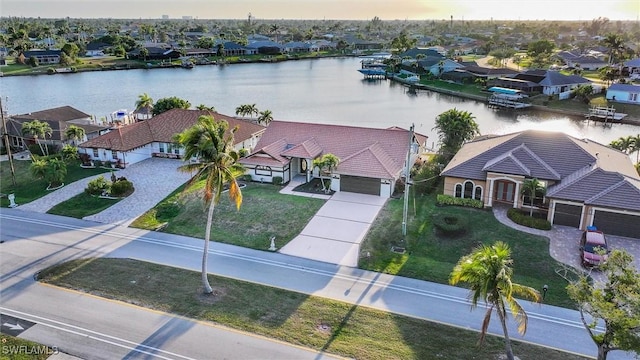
pixel 505 191
pixel 303 166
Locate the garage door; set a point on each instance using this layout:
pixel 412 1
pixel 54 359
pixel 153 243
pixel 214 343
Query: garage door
pixel 617 224
pixel 362 185
pixel 568 215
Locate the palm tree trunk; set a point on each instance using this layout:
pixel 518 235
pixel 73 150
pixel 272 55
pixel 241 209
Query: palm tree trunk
pixel 507 340
pixel 602 352
pixel 531 208
pixel 205 255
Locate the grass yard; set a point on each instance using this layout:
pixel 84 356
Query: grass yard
pixel 13 348
pixel 264 213
pixel 313 322
pixel 470 89
pixel 27 188
pixel 431 256
pixel 82 205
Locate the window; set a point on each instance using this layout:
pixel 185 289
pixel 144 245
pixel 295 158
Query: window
pixel 458 190
pixel 161 147
pixel 468 190
pixel 263 170
pixel 477 193
pixel 114 155
pixel 95 153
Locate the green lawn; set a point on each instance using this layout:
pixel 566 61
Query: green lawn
pixel 13 348
pixel 470 89
pixel 321 324
pixel 27 188
pixel 82 205
pixel 431 256
pixel 264 213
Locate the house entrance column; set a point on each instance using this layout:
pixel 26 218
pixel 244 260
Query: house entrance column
pixel 490 201
pixel 516 195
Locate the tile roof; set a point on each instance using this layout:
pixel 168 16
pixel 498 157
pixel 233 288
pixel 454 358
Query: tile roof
pixel 362 151
pixel 554 78
pixel 163 127
pixel 624 87
pixel 62 113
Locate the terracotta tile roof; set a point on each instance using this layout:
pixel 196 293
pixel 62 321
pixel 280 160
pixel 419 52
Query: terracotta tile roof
pixel 362 151
pixel 163 127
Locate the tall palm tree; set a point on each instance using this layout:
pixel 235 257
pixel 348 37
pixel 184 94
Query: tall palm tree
pixel 74 133
pixel 203 107
pixel 252 110
pixel 265 117
pixel 488 271
pixel 144 101
pixel 211 142
pixel 275 30
pixel 615 43
pixel 241 110
pixel 532 188
pixel 39 130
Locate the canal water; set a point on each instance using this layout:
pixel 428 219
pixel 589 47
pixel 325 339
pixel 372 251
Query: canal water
pixel 327 90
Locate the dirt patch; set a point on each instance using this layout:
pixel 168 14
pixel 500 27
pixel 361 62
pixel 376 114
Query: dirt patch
pixel 217 295
pixel 324 328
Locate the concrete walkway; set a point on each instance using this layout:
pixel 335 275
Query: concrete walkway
pixel 153 180
pixel 334 234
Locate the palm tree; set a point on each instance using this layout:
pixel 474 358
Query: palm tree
pixel 38 129
pixel 211 143
pixel 275 30
pixel 144 101
pixel 242 110
pixel 532 188
pixel 635 147
pixel 74 133
pixel 327 163
pixel 252 110
pixel 488 271
pixel 624 144
pixel 615 43
pixel 203 107
pixel 265 117
pixel 454 128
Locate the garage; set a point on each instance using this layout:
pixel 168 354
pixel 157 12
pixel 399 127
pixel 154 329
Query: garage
pixel 358 184
pixel 613 223
pixel 568 215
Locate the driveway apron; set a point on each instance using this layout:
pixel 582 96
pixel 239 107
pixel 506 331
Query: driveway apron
pixel 334 234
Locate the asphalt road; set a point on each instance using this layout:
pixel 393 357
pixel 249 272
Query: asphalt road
pixel 49 239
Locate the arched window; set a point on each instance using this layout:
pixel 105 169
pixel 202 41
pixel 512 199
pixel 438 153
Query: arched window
pixel 477 193
pixel 468 189
pixel 458 190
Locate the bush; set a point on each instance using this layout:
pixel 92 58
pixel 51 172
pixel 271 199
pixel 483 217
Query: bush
pixel 97 163
pixel 167 210
pixel 69 152
pixel 450 225
pixel 121 188
pixel 243 152
pixel 450 200
pixel 97 186
pixel 277 180
pixel 518 217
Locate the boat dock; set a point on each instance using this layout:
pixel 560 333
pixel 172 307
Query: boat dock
pixel 605 114
pixel 497 101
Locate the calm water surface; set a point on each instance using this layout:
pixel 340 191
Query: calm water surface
pixel 324 90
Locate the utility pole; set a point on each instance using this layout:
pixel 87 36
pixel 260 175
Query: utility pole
pixel 7 146
pixel 407 175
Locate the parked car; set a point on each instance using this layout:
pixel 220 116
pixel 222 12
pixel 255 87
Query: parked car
pixel 593 248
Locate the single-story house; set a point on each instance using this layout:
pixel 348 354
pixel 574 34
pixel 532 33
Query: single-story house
pixel 488 73
pixel 155 53
pixel 633 66
pixel 545 81
pixel 300 47
pixel 624 93
pixel 585 62
pixel 371 160
pixel 555 83
pixel 44 57
pixel 130 144
pixel 59 119
pixel 587 183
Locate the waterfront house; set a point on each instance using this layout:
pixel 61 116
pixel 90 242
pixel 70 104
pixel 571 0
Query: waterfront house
pixel 545 81
pixel 585 62
pixel 126 145
pixel 371 160
pixel 624 93
pixel 59 119
pixel 44 57
pixel 590 184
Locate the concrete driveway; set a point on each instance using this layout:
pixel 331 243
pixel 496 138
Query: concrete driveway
pixel 334 234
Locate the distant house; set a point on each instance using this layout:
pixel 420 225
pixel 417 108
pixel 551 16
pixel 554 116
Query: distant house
pixel 371 160
pixel 545 81
pixel 130 144
pixel 44 57
pixel 438 66
pixel 266 47
pixel 585 62
pixel 489 73
pixel 624 93
pixel 59 119
pixel 155 53
pixel 96 49
pixel 299 47
pixel 633 66
pixel 588 184
pixel 234 49
pixel 427 52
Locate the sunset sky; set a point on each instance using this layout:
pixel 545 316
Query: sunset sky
pixel 328 9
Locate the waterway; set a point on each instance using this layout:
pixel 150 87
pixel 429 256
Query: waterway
pixel 326 90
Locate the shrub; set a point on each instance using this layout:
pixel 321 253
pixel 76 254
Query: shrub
pixel 97 163
pixel 167 210
pixel 97 186
pixel 85 158
pixel 121 188
pixel 107 164
pixel 518 217
pixel 450 200
pixel 69 152
pixel 243 152
pixel 450 225
pixel 277 180
pixel 51 71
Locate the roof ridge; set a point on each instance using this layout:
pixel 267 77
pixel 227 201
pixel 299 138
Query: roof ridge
pixel 539 159
pixel 605 191
pixel 573 178
pixel 376 149
pixel 508 155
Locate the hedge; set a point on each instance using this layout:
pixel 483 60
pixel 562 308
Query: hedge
pixel 450 200
pixel 518 217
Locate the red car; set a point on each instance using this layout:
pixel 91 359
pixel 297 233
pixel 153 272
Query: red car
pixel 593 248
